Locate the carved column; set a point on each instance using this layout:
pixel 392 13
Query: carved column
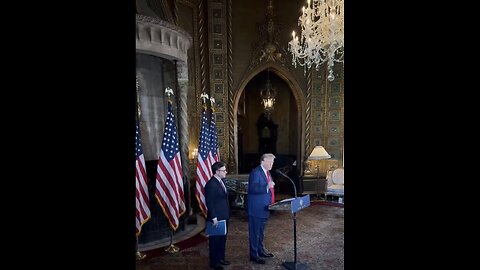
pixel 182 84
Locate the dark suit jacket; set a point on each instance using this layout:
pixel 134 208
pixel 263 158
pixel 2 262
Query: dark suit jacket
pixel 258 199
pixel 216 200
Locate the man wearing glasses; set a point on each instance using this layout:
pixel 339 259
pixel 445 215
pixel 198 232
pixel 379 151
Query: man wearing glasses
pixel 216 198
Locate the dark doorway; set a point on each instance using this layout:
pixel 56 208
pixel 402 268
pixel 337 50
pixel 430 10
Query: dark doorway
pixel 259 131
pixel 267 134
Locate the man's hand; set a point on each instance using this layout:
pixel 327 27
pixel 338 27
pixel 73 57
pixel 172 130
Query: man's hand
pixel 215 222
pixel 271 184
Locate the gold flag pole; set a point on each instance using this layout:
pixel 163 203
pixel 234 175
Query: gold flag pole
pixel 139 255
pixel 172 248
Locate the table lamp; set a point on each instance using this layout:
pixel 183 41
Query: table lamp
pixel 318 153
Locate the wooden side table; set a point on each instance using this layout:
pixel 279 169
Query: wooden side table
pixel 314 186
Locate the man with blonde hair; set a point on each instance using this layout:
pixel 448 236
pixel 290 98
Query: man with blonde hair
pixel 260 196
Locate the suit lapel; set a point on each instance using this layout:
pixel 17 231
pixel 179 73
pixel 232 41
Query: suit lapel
pixel 263 174
pixel 220 185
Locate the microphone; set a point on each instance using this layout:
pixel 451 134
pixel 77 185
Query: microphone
pixel 286 176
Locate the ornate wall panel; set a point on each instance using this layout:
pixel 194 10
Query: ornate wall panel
pixel 188 18
pixel 335 111
pixel 217 33
pixel 325 122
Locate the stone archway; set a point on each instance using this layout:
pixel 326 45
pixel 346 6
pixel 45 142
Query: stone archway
pixel 296 91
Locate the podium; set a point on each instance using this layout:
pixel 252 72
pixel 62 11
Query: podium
pixel 293 204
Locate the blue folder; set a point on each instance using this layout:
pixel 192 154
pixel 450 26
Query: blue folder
pixel 220 229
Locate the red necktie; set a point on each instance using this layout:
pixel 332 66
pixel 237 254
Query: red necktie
pixel 271 189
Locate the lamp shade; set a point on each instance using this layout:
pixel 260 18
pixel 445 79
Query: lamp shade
pixel 319 153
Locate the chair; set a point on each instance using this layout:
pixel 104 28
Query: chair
pixel 335 184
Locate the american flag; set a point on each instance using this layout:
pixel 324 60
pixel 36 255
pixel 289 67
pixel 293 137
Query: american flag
pixel 169 184
pixel 203 165
pixel 141 192
pixel 214 154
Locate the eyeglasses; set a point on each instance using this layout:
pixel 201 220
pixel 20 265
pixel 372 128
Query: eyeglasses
pixel 222 170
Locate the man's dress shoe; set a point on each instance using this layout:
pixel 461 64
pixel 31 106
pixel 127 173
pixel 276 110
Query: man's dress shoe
pixel 224 262
pixel 258 260
pixel 266 255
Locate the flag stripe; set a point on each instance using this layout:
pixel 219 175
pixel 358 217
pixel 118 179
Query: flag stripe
pixel 203 171
pixel 214 155
pixel 142 201
pixel 142 191
pixel 169 177
pixel 166 170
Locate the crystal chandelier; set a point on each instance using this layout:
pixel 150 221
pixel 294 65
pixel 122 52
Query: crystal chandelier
pixel 321 35
pixel 268 95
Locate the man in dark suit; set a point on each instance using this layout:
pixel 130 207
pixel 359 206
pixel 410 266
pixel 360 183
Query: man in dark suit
pixel 216 199
pixel 260 195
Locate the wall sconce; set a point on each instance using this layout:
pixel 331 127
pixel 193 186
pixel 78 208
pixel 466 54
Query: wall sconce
pixel 194 154
pixel 318 153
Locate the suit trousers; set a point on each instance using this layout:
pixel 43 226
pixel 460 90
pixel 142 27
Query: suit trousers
pixel 216 245
pixel 256 233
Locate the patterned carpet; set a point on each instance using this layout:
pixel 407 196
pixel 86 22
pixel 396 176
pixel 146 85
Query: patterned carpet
pixel 320 241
